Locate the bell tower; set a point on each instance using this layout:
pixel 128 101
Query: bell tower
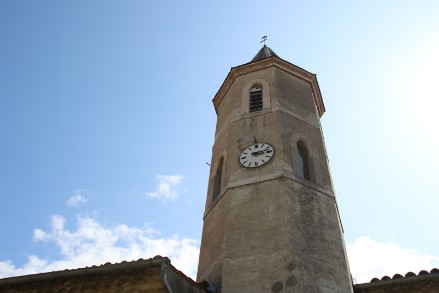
pixel 271 222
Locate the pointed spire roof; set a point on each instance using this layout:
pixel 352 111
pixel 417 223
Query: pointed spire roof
pixel 263 59
pixel 264 53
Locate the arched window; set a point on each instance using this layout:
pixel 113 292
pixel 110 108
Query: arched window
pixel 217 180
pixel 303 162
pixel 256 98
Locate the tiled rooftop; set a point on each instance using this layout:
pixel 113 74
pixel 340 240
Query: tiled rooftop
pixel 407 275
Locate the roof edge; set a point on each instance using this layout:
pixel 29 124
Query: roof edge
pixel 433 275
pixel 156 261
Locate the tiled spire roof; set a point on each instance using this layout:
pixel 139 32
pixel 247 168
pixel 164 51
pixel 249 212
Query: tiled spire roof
pixel 264 53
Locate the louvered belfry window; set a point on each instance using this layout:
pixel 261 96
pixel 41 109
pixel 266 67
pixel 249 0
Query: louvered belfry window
pixel 256 98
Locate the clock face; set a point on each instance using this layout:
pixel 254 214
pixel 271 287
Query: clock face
pixel 256 155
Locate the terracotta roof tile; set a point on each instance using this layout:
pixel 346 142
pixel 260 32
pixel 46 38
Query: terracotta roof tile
pixel 407 275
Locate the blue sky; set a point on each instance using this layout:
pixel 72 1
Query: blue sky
pixel 106 124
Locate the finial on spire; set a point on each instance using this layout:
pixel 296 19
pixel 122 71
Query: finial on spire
pixel 264 38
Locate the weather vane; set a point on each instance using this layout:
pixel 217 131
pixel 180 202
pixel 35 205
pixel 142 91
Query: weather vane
pixel 264 38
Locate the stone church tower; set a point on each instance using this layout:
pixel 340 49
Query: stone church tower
pixel 271 222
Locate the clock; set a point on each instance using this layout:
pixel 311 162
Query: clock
pixel 256 155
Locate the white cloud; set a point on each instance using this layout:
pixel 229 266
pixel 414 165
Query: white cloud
pixel 371 259
pixel 168 187
pixel 77 199
pixel 93 244
pixel 39 235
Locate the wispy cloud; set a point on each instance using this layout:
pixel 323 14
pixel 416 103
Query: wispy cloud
pixel 369 259
pixel 168 187
pixel 92 243
pixel 77 199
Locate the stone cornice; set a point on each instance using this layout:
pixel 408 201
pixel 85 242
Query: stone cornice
pixel 326 191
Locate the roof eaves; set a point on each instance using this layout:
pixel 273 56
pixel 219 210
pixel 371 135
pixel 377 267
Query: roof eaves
pixel 399 280
pixel 156 261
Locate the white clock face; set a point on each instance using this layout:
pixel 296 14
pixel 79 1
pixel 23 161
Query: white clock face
pixel 256 155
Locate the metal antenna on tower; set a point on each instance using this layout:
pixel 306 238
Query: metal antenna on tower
pixel 264 38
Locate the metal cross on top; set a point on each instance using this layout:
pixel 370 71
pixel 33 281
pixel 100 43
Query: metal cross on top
pixel 264 38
